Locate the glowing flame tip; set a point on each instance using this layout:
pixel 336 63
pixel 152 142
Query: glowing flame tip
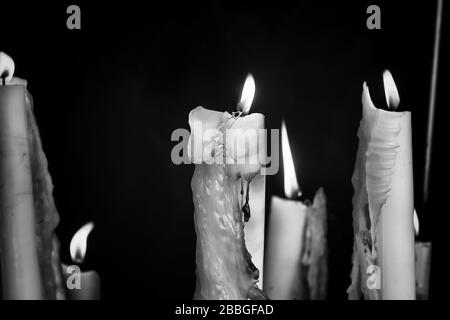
pixel 416 223
pixel 248 93
pixel 78 243
pixel 390 90
pixel 291 188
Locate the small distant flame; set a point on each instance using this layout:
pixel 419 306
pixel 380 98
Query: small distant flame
pixel 6 66
pixel 291 188
pixel 390 90
pixel 416 223
pixel 79 243
pixel 248 93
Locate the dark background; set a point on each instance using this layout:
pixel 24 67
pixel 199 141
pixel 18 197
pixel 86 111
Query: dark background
pixel 108 96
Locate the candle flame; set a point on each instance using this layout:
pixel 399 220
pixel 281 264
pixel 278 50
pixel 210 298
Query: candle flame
pixel 6 66
pixel 79 242
pixel 248 93
pixel 291 188
pixel 416 223
pixel 390 90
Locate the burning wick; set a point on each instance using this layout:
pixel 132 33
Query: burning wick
pixel 3 76
pixel 7 67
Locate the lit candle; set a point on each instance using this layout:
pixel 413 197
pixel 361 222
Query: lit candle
pixel 296 256
pixel 228 193
pixel 20 264
pixel 29 249
pixel 81 285
pixel 383 203
pixel 423 261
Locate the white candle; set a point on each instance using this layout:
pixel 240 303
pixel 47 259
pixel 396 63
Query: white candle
pixel 81 285
pixel 422 263
pixel 224 270
pixel 296 245
pixel 285 244
pixel 18 249
pixel 383 202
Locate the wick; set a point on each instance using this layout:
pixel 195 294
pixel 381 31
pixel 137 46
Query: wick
pixel 3 76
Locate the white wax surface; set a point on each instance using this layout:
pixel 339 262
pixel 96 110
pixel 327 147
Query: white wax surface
pixel 284 248
pixel 18 249
pixel 391 176
pixel 254 228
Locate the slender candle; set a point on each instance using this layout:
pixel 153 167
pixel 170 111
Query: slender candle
pixel 383 202
pixel 224 176
pixel 296 245
pixel 18 249
pixel 81 285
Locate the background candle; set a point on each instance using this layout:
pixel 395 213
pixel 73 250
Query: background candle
pixel 296 248
pixel 20 266
pixel 383 202
pixel 89 281
pixel 422 263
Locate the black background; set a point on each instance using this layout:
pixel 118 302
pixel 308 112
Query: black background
pixel 108 96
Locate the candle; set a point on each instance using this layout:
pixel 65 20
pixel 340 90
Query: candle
pixel 383 259
pixel 423 261
pixel 20 265
pixel 81 285
pixel 29 249
pixel 228 193
pixel 296 246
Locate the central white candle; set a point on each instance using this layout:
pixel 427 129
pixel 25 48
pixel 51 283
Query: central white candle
pixel 228 192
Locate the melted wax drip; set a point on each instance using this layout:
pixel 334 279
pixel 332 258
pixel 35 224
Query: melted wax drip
pixel 224 266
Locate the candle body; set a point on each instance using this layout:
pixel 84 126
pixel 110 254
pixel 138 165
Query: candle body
pixel 225 269
pixel 285 243
pixel 383 206
pixel 423 261
pixel 396 229
pixel 20 267
pixel 89 284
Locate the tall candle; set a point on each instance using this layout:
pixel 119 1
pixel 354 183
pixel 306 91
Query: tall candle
pixel 296 245
pixel 223 177
pixel 383 202
pixel 18 248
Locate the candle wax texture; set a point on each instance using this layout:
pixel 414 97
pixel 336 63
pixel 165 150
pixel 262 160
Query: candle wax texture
pixel 37 186
pixel 383 204
pixel 224 266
